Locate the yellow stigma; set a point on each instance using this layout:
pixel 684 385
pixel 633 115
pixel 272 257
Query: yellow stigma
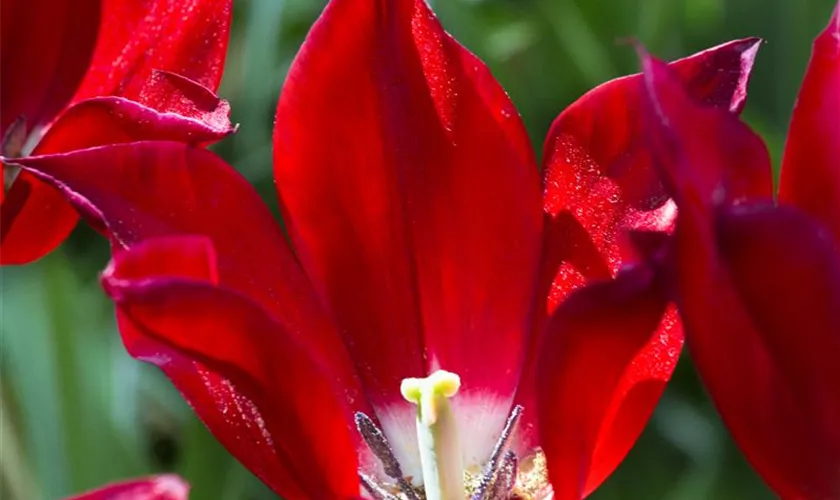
pixel 437 434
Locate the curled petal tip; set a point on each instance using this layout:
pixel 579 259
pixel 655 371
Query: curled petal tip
pixel 163 487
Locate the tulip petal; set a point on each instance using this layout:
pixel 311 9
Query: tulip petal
pixel 758 288
pixel 810 176
pixel 163 487
pixel 167 301
pixel 597 168
pixel 703 154
pixel 761 320
pixel 35 216
pixel 597 352
pixel 43 57
pixel 412 198
pixel 165 54
pixel 186 37
pixel 143 190
pixel 600 184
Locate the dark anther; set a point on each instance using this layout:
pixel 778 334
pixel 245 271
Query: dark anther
pixel 378 444
pixel 506 478
pixel 497 458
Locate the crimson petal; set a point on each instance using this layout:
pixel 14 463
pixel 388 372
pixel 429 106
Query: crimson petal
pixel 592 358
pixel 597 168
pixel 143 190
pixel 35 216
pixel 412 197
pixel 186 37
pixel 599 185
pixel 44 52
pixel 164 487
pixel 758 288
pixel 167 301
pixel 810 176
pixel 165 54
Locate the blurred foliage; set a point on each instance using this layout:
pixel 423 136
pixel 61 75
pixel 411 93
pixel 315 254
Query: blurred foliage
pixel 77 411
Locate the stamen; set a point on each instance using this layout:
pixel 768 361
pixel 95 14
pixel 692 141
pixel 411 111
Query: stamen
pixel 506 479
pixel 14 139
pixel 376 491
pixel 378 444
pixel 493 466
pixel 437 434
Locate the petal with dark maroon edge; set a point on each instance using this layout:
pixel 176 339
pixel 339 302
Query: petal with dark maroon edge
pixel 164 487
pixel 707 149
pixel 595 375
pixel 599 183
pixel 412 198
pixel 758 290
pixel 186 37
pixel 167 302
pixel 43 57
pixel 597 168
pixel 143 190
pixel 165 54
pixel 35 216
pixel 810 176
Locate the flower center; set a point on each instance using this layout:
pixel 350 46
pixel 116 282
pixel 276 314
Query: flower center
pixel 444 476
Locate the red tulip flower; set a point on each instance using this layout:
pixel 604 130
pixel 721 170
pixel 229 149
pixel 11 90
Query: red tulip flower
pixel 164 487
pixel 393 345
pixel 757 282
pixel 147 71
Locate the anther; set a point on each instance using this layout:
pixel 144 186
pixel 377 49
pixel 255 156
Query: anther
pixel 496 463
pixel 378 444
pixel 376 491
pixel 506 478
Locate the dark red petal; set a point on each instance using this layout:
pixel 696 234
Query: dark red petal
pixel 758 290
pixel 599 378
pixel 36 218
pixel 188 38
pixel 597 167
pixel 143 190
pixel 600 183
pixel 761 319
pixel 811 166
pixel 164 487
pixel 45 48
pixel 167 302
pixel 412 196
pixel 703 154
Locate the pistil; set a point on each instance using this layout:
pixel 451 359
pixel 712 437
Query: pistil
pixel 437 434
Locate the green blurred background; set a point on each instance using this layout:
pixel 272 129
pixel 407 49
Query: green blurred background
pixel 77 411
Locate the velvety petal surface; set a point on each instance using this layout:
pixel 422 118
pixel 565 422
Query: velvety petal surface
pixel 758 288
pixel 591 350
pixel 186 37
pixel 35 216
pixel 43 57
pixel 412 198
pixel 164 487
pixel 169 303
pixel 810 176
